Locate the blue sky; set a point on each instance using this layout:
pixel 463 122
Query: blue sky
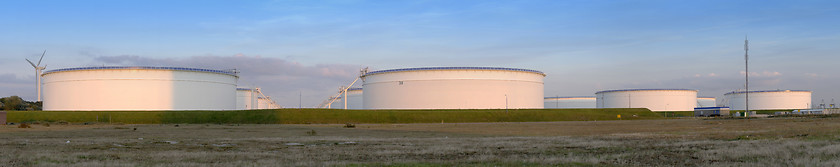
pixel 313 47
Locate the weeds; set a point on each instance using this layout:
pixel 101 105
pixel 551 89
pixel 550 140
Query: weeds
pixel 24 125
pixel 349 125
pixel 676 142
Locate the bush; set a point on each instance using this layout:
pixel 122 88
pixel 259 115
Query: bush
pixel 24 125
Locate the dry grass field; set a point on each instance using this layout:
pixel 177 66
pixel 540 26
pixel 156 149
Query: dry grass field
pixel 672 142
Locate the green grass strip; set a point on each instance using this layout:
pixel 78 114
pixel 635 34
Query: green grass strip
pixel 332 116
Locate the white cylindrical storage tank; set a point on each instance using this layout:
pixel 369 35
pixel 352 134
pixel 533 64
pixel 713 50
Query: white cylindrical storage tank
pixel 245 98
pixel 569 102
pixel 337 104
pixel 770 99
pixel 453 88
pixel 354 100
pixel 139 88
pixel 706 102
pixel 653 99
pixel 266 103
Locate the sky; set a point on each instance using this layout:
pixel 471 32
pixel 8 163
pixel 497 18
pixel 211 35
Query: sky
pixel 306 49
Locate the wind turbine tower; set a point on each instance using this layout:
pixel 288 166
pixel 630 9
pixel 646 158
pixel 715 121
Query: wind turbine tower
pixel 38 70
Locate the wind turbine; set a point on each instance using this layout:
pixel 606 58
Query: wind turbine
pixel 38 70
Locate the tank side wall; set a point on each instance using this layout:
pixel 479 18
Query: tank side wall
pixel 658 100
pixel 243 100
pixel 706 102
pixel 355 100
pixel 138 89
pixel 770 100
pixel 453 89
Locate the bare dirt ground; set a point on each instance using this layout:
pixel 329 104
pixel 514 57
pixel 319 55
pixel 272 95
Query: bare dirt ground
pixel 675 142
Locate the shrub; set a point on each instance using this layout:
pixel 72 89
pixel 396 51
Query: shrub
pixel 24 125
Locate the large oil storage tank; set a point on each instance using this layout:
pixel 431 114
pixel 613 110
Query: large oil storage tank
pixel 653 99
pixel 569 102
pixel 354 100
pixel 252 98
pixel 266 103
pixel 770 99
pixel 706 102
pixel 245 98
pixel 139 88
pixel 453 88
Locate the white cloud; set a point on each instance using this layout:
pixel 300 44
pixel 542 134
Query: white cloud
pixel 763 74
pixel 705 75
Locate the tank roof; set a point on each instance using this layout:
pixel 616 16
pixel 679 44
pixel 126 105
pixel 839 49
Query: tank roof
pixel 568 97
pixel 763 91
pixel 228 72
pixel 453 68
pixel 621 90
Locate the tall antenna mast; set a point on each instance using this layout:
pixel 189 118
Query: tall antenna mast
pixel 747 72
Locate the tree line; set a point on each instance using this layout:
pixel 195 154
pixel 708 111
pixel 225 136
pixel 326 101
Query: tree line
pixel 15 103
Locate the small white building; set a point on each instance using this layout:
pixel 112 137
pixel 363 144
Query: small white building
pixel 711 111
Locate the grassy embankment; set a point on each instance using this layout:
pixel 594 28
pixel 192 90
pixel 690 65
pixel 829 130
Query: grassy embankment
pixel 332 116
pixel 676 113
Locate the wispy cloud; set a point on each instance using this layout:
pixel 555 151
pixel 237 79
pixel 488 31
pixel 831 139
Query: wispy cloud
pixel 706 75
pixel 763 74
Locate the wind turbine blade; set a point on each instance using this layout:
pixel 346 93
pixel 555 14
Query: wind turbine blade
pixel 30 62
pixel 42 57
